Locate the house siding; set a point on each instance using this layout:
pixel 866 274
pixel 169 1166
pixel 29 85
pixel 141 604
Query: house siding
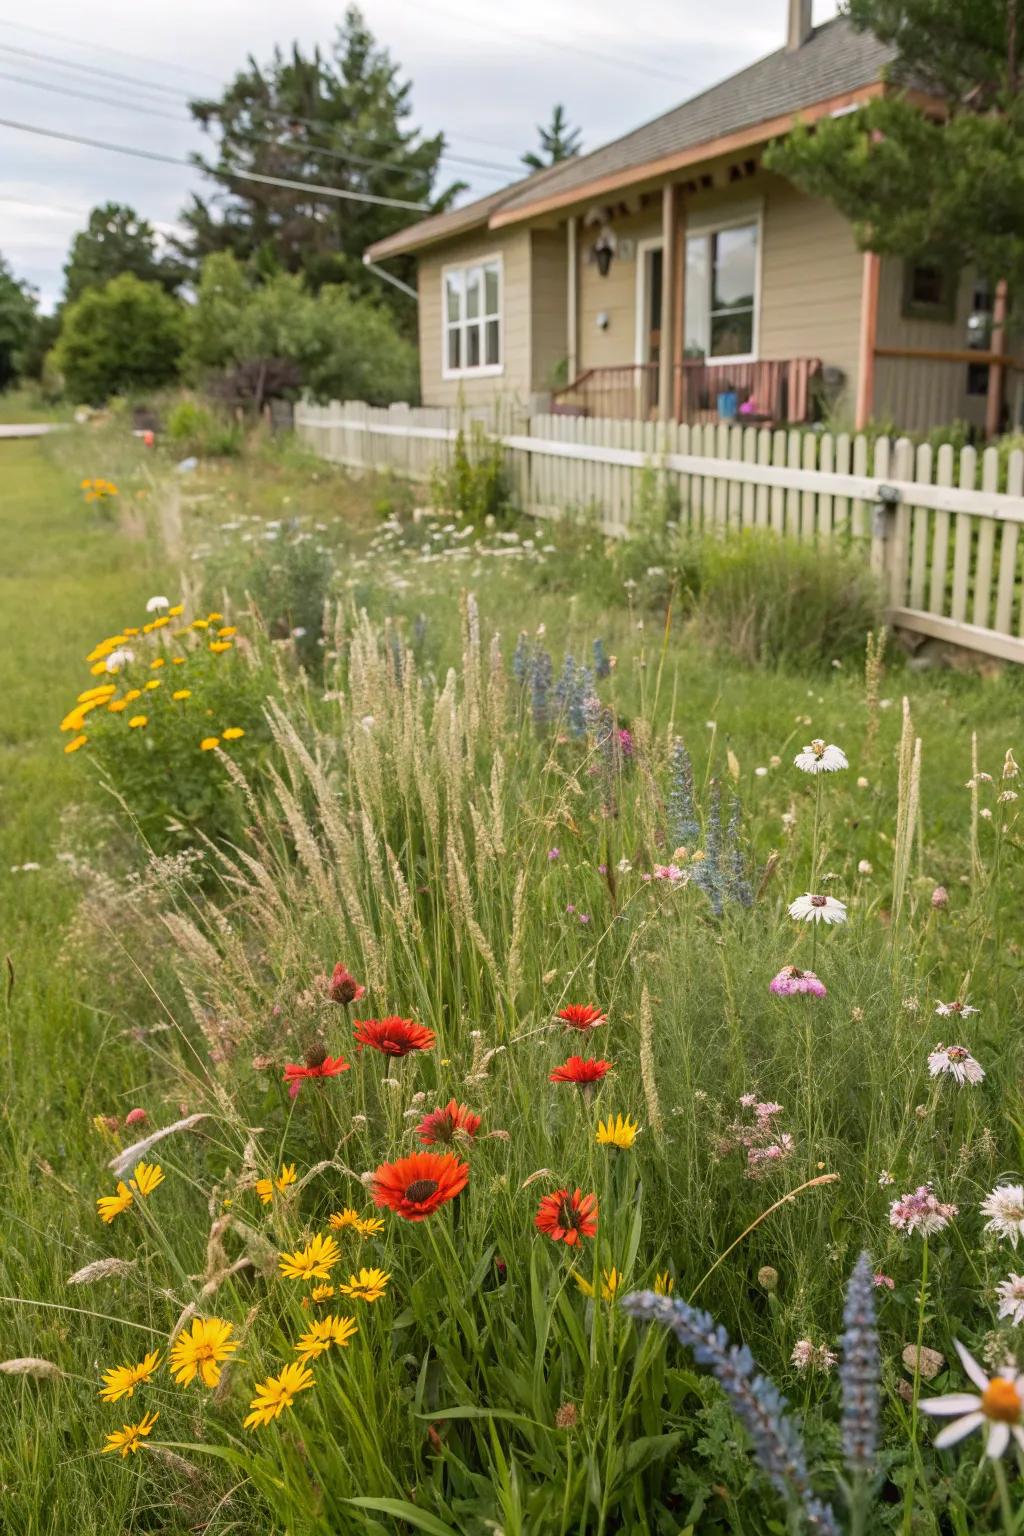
pixel 614 296
pixel 514 381
pixel 549 277
pixel 920 395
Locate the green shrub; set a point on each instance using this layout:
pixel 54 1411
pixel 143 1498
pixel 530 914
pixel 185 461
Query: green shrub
pixel 475 482
pixel 769 599
pixel 122 338
pixel 288 578
pixel 164 700
pixel 195 429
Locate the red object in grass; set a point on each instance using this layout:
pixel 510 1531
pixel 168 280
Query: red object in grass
pixel 567 1218
pixel 317 1064
pixel 343 987
pixel 582 1073
pixel 442 1124
pixel 416 1186
pixel 581 1016
pixel 394 1036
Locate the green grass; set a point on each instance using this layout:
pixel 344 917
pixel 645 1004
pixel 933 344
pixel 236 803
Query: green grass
pixel 455 1403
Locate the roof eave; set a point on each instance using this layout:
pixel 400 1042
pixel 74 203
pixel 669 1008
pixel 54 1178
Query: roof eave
pixel 407 240
pixel 742 138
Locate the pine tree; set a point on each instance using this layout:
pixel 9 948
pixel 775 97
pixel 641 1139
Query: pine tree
pixel 117 240
pixel 936 166
pixel 339 119
pixel 557 142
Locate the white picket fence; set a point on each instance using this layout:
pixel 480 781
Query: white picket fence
pixel 939 530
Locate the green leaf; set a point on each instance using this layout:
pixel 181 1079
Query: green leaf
pixel 402 1510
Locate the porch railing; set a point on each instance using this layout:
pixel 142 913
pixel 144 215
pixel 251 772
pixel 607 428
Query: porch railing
pixel 759 393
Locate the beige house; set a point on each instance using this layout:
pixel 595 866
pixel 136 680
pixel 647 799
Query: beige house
pixel 668 274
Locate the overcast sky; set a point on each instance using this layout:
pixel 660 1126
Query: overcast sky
pixel 485 73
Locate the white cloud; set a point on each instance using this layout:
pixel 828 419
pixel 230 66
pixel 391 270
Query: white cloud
pixel 485 73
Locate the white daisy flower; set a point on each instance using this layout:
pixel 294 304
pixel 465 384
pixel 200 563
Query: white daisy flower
pixel 954 1010
pixel 818 909
pixel 158 604
pixel 1010 1293
pixel 1005 1209
pixel 958 1062
pixel 865 867
pixel 119 658
pixel 820 757
pixel 997 1408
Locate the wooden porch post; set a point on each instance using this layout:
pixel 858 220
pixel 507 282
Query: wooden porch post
pixel 572 298
pixel 679 304
pixel 994 402
pixel 669 263
pixel 868 340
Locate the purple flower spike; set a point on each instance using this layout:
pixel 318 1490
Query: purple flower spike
pixel 791 980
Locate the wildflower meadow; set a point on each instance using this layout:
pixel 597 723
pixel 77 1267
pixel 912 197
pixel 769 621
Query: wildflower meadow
pixel 481 1057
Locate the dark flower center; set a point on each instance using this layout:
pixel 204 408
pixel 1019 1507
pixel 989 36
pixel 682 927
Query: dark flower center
pixel 316 1056
pixel 566 1216
pixel 421 1190
pixel 343 990
pixel 819 901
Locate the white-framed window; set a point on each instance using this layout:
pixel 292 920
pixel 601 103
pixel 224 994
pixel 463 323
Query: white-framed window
pixel 723 282
pixel 472 333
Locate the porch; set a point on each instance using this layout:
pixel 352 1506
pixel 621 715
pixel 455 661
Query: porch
pixel 768 393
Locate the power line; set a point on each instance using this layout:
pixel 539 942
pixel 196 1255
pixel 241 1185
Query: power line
pixel 146 85
pixel 272 181
pixel 174 117
pixel 81 42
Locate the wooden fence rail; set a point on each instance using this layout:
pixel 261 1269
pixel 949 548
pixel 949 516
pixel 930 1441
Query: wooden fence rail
pixel 941 530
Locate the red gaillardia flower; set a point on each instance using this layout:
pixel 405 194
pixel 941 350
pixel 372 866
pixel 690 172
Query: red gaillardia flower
pixel 343 987
pixel 442 1124
pixel 415 1186
pixel 317 1064
pixel 582 1073
pixel 567 1218
pixel 581 1016
pixel 394 1036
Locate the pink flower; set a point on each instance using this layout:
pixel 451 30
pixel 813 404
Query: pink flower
pixel 670 872
pixel 136 1117
pixel 920 1212
pixel 881 1281
pixel 791 980
pixel 940 898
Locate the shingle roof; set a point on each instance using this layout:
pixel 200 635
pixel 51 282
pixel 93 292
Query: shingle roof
pixel 834 60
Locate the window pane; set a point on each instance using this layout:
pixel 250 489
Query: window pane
pixel 928 285
pixel 472 346
pixel 454 349
pixel 453 289
pixel 734 267
pixel 493 343
pixel 732 333
pixel 473 293
pixel 696 319
pixel 491 291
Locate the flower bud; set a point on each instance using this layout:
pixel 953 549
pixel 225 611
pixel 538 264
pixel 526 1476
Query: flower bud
pixel 940 898
pixel 768 1279
pixel 136 1117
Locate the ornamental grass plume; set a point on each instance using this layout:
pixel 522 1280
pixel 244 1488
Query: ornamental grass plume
pixel 754 1398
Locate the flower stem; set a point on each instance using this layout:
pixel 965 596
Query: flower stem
pixel 1005 1507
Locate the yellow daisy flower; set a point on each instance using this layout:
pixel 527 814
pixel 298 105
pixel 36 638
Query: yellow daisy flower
pixel 219 646
pixel 117 705
pixel 664 1284
pixel 200 624
pixel 277 1393
pixel 228 630
pixel 160 662
pixel 182 693
pixel 177 661
pixel 98 668
pixel 127 1438
pixel 319 1336
pixel 233 733
pixel 154 682
pixel 342 1219
pixel 130 632
pixel 368 1285
pixel 137 720
pixel 370 1226
pixel 160 622
pixel 314 1262
pixel 320 1293
pixel 265 1187
pixel 617 1132
pixel 208 743
pixel 214 618
pixel 146 1178
pixel 73 746
pixel 610 1282
pixel 110 1206
pixel 176 611
pixel 102 692
pixel 202 1351
pixel 121 1380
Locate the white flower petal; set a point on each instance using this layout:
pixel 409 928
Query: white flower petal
pixel 971 1366
pixel 997 1441
pixel 957 1430
pixel 951 1402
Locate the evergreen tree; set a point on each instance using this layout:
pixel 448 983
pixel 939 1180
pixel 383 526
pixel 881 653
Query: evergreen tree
pixel 17 318
pixel 340 120
pixel 935 167
pixel 557 142
pixel 114 241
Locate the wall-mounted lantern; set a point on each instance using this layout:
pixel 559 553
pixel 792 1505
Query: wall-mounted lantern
pixel 603 252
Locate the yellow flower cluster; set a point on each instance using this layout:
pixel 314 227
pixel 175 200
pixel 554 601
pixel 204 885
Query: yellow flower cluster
pixel 98 489
pixel 116 654
pixel 143 1182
